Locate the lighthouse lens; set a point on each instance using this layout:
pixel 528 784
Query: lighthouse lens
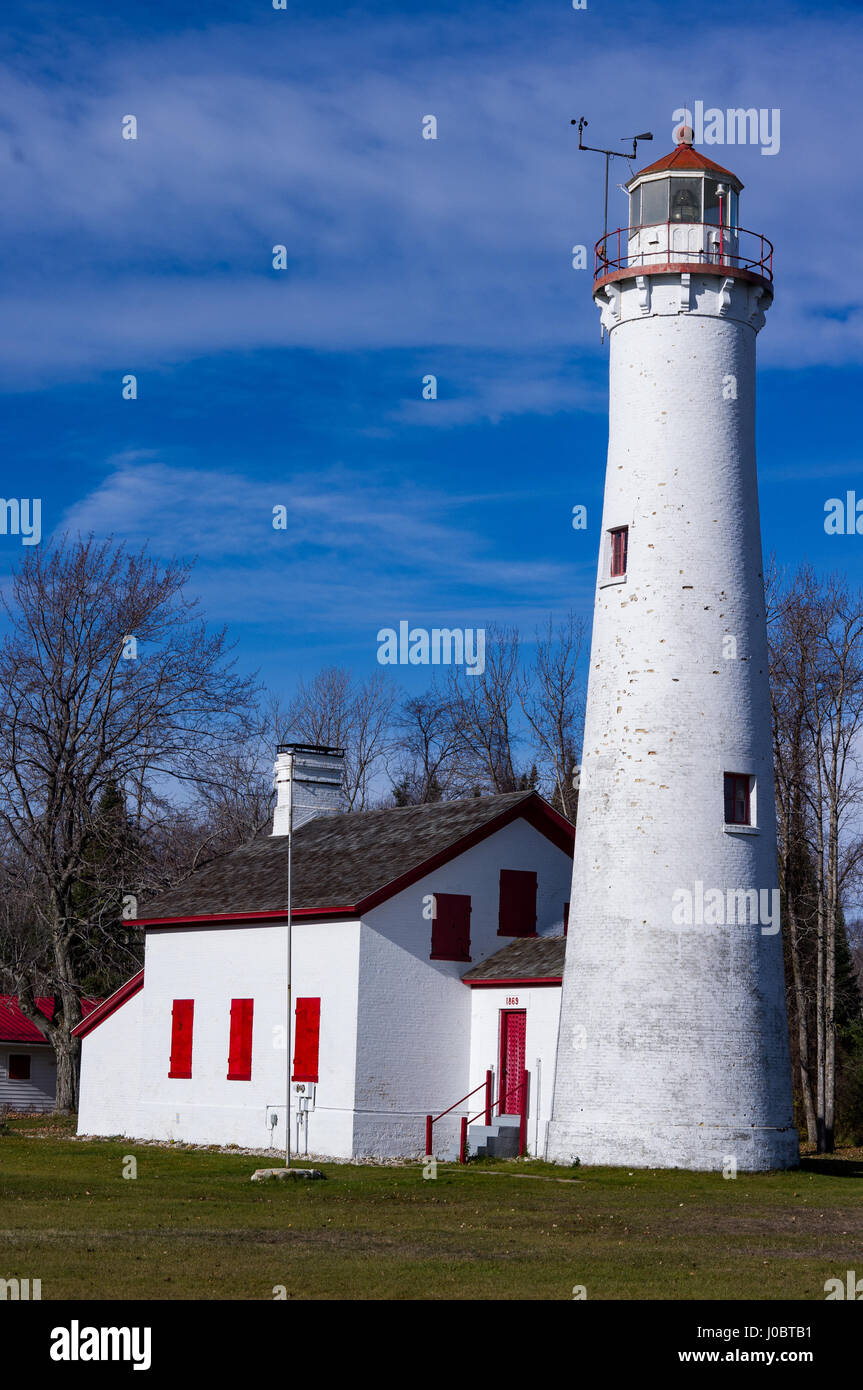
pixel 686 200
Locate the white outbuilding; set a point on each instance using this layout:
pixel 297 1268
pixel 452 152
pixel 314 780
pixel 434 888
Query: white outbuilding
pixel 427 956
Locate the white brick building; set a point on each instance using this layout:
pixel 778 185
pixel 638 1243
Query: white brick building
pixel 394 915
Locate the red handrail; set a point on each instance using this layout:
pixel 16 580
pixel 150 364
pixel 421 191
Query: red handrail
pixel 522 1114
pixel 487 1110
pixel 431 1121
pixel 760 260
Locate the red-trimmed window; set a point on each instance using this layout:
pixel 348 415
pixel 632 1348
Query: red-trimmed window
pixel 738 801
pixel 619 548
pixel 451 927
pixel 517 909
pixel 240 1046
pixel 182 1018
pixel 307 1036
pixel 19 1066
pixel 566 919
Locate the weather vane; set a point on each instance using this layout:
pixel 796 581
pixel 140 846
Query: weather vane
pixel 609 155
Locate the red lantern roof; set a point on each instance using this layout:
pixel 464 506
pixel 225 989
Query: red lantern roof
pixel 684 157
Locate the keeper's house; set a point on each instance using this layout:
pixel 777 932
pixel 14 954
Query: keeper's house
pixel 427 951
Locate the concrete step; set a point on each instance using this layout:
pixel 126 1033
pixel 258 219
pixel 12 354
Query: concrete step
pixel 503 1145
pixel 498 1140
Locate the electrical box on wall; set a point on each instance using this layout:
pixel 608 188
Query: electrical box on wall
pixel 304 1092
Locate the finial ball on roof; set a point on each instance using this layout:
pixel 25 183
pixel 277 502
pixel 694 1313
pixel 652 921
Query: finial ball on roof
pixel 684 135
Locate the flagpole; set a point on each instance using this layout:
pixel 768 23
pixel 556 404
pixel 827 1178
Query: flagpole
pixel 289 923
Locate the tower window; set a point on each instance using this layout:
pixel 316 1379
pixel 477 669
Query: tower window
pixel 619 548
pixel 738 799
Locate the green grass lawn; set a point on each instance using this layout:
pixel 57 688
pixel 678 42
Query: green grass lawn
pixel 192 1226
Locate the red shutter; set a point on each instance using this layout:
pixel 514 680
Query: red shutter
pixel 451 927
pixel 182 1019
pixel 517 911
pixel 306 1040
pixel 565 918
pixel 240 1047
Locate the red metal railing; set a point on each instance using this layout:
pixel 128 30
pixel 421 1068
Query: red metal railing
pixel 488 1109
pixel 431 1121
pixel 754 253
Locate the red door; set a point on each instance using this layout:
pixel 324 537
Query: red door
pixel 513 1027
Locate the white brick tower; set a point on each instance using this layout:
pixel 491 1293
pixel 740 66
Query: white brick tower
pixel 673 1047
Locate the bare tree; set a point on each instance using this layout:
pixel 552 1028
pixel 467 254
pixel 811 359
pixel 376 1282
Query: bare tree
pixel 792 761
pixel 552 697
pixel 835 721
pixel 817 675
pixel 109 678
pixel 482 711
pixel 426 748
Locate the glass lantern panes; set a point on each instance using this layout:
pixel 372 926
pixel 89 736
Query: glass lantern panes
pixel 711 202
pixel 654 202
pixel 685 200
pixel 634 211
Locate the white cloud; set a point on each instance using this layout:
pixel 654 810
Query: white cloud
pixel 357 550
pixel 125 254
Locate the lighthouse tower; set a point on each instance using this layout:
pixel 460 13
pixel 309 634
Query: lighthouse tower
pixel 673 1045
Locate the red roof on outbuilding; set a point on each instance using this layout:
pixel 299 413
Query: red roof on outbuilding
pixel 14 1027
pixel 685 157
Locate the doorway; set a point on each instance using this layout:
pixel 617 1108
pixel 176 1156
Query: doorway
pixel 513 1031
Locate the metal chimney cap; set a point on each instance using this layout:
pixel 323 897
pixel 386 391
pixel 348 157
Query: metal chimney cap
pixel 309 748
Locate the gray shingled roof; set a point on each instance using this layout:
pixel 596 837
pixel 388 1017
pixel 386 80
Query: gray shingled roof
pixel 534 958
pixel 337 860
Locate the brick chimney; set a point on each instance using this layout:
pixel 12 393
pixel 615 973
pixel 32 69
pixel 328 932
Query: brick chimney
pixel 313 774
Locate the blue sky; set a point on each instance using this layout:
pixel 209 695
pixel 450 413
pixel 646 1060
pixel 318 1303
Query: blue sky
pixel 406 257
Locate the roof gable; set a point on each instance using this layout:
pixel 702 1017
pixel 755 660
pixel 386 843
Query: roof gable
pixel 345 865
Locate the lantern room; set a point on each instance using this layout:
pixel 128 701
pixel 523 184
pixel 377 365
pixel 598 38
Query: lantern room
pixel 681 208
